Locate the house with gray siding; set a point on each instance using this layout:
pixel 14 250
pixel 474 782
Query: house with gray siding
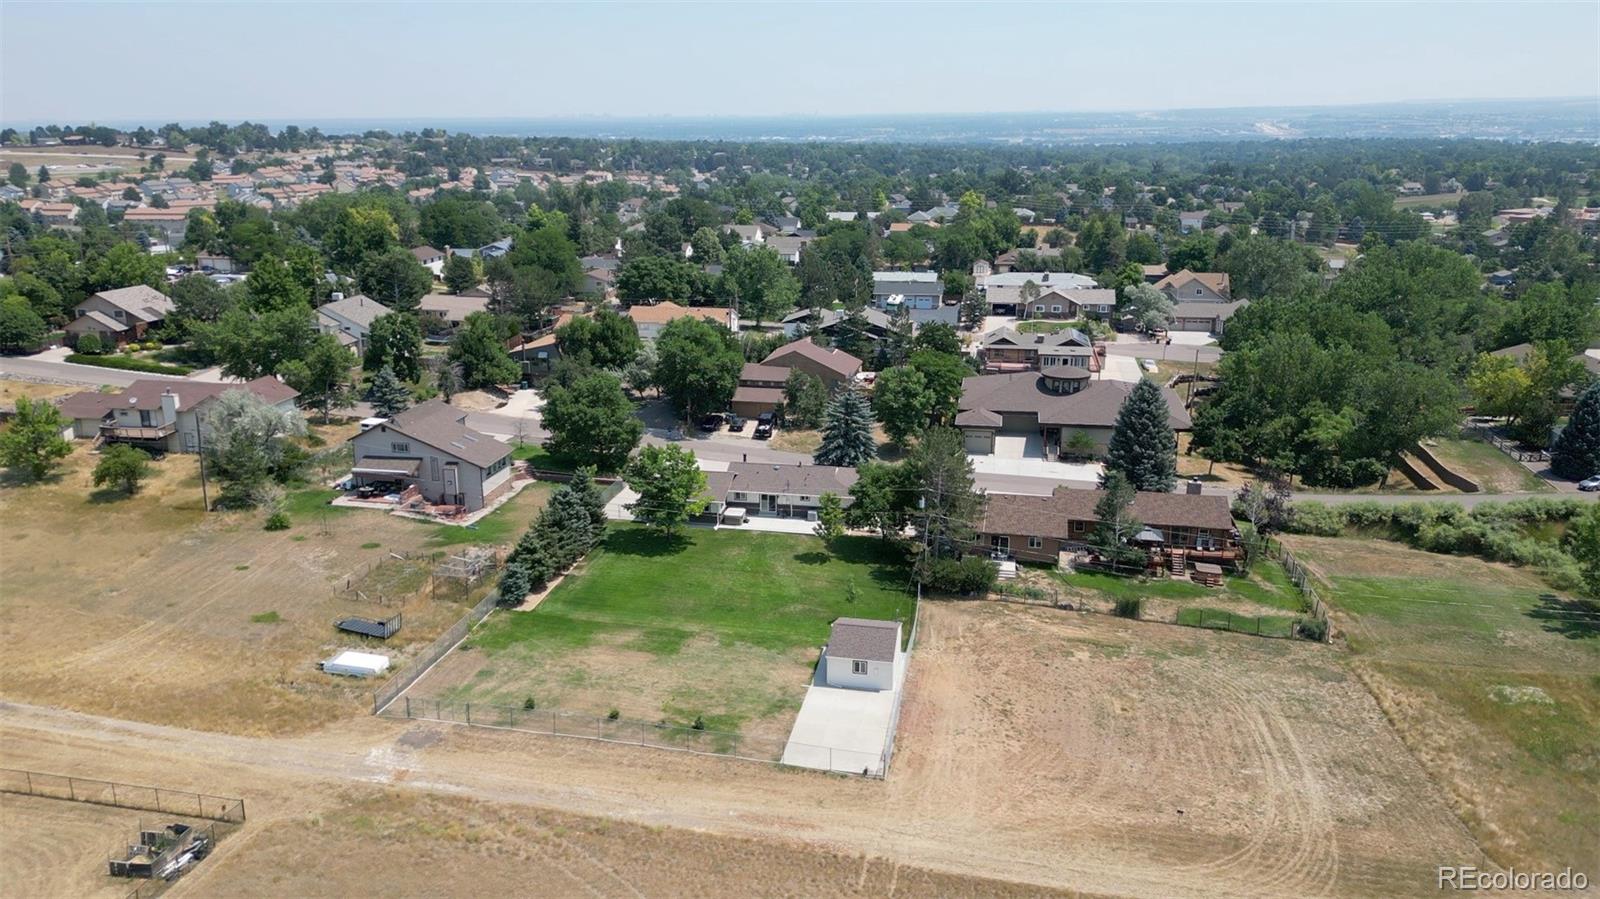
pixel 430 447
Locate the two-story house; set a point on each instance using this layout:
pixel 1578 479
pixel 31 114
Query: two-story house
pixel 1201 301
pixel 430 447
pixel 1007 350
pixel 118 316
pixel 161 415
pixel 350 317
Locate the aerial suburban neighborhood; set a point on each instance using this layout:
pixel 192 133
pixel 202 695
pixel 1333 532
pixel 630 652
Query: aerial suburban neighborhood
pixel 1015 505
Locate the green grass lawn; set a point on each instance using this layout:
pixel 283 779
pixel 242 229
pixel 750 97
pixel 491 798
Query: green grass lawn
pixel 775 591
pixel 724 626
pixel 1265 585
pixel 503 525
pixel 1494 471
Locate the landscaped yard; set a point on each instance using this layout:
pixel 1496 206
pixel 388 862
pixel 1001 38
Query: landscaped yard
pixel 1491 678
pixel 1494 471
pixel 719 625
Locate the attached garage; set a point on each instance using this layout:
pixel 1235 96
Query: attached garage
pixel 978 442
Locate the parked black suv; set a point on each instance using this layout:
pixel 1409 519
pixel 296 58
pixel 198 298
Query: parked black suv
pixel 711 422
pixel 735 423
pixel 763 426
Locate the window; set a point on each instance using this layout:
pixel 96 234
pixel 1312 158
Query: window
pixel 1000 541
pixel 1035 542
pixel 433 468
pixel 858 666
pixel 400 447
pixel 1056 308
pixel 1197 291
pixel 805 499
pixel 1039 308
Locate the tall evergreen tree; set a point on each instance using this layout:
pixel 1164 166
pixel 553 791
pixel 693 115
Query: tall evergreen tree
pixel 1115 526
pixel 1576 452
pixel 847 432
pixel 584 488
pixel 389 396
pixel 1142 445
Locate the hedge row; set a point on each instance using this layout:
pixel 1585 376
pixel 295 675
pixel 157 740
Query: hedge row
pixel 129 363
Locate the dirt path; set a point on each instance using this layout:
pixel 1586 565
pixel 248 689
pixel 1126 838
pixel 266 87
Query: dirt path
pixel 1036 748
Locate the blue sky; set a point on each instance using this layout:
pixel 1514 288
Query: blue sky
pixel 75 62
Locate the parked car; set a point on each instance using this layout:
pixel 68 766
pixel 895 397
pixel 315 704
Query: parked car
pixel 735 424
pixel 763 426
pixel 1590 485
pixel 711 422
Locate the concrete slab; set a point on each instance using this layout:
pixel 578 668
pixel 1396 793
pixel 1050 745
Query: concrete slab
pixel 1035 467
pixel 1120 368
pixel 845 730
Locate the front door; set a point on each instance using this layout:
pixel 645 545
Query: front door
pixel 452 486
pixel 769 503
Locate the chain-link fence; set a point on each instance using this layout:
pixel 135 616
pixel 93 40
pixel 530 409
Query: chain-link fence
pixel 435 650
pixel 134 796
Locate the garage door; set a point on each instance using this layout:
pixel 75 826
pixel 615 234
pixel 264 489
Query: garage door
pixel 1193 324
pixel 980 443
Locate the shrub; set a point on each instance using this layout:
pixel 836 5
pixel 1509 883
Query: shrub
pixel 90 344
pixel 1129 607
pixel 1316 519
pixel 973 574
pixel 1312 629
pixel 277 521
pixel 699 723
pixel 128 348
pixel 613 715
pixel 127 363
pixel 529 704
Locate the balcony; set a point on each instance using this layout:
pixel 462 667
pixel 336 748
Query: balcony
pixel 153 432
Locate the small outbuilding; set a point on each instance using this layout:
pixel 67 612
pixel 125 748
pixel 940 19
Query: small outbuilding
pixel 860 654
pixel 357 664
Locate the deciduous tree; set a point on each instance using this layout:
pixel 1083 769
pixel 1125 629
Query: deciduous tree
pixel 123 466
pixel 670 485
pixel 31 442
pixel 592 422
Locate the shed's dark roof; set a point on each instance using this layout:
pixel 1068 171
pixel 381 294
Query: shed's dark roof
pixel 864 638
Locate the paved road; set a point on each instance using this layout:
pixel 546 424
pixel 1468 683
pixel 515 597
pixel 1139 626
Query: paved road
pixel 1175 354
pixel 68 373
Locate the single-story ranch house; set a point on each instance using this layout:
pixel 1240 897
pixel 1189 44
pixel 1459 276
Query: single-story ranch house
pixel 652 317
pixel 1040 528
pixel 772 489
pixel 118 316
pixel 161 415
pixel 1044 410
pixel 430 447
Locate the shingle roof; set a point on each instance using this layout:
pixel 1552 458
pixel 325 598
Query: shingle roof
pixel 1045 280
pixel 101 319
pixel 1012 337
pixel 145 393
pixel 793 480
pixel 89 404
pixel 146 302
pixel 864 638
pixel 837 361
pixel 444 427
pixel 1217 281
pixel 1048 516
pixel 665 311
pixel 1094 406
pixel 1203 309
pixel 426 252
pixel 451 306
pixel 360 309
pixel 755 371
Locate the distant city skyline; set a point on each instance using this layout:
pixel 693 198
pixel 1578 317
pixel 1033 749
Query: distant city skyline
pixel 291 62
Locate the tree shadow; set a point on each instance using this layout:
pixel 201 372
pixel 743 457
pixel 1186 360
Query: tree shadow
pixel 644 542
pixel 814 557
pixel 16 477
pixel 1571 618
pixel 107 495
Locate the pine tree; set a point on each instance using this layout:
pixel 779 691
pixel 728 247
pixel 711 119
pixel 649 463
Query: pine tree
pixel 389 396
pixel 515 583
pixel 1143 446
pixel 847 432
pixel 1576 452
pixel 565 525
pixel 584 488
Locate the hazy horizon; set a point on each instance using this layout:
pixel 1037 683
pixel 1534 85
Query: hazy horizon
pixel 706 61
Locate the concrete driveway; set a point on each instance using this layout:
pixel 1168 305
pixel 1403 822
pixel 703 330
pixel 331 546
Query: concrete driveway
pixel 844 730
pixel 1121 368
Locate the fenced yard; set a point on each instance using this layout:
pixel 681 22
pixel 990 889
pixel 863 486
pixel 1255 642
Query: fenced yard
pixel 719 629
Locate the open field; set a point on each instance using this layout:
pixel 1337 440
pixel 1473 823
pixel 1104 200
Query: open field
pixel 56 849
pixel 11 389
pixel 1492 680
pixel 1494 471
pixel 719 625
pixel 1038 747
pixel 147 608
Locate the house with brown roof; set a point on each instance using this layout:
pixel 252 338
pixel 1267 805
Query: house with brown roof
pixel 120 315
pixel 650 318
pixel 1008 350
pixel 162 415
pixel 430 447
pixel 1041 528
pixel 775 489
pixel 761 384
pixel 430 259
pixel 1034 415
pixel 1202 301
pixel 443 312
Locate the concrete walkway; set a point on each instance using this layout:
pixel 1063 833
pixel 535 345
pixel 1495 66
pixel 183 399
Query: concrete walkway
pixel 844 730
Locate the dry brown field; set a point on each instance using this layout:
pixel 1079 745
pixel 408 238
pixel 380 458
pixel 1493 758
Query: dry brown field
pixel 55 849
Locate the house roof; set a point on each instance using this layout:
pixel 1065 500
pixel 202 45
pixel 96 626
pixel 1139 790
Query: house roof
pixel 666 311
pixel 452 306
pixel 836 361
pixel 755 371
pixel 425 252
pixel 106 322
pixel 1221 311
pixel 864 638
pixel 145 393
pixel 1094 406
pixel 1045 280
pixel 794 480
pixel 444 427
pixel 146 302
pixel 359 309
pixel 1013 338
pixel 747 394
pixel 827 318
pixel 89 404
pixel 1047 516
pixel 904 282
pixel 1218 282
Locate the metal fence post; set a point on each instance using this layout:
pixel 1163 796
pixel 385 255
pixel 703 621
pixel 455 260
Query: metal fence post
pixel 114 797
pixel 29 775
pixel 469 713
pixel 71 790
